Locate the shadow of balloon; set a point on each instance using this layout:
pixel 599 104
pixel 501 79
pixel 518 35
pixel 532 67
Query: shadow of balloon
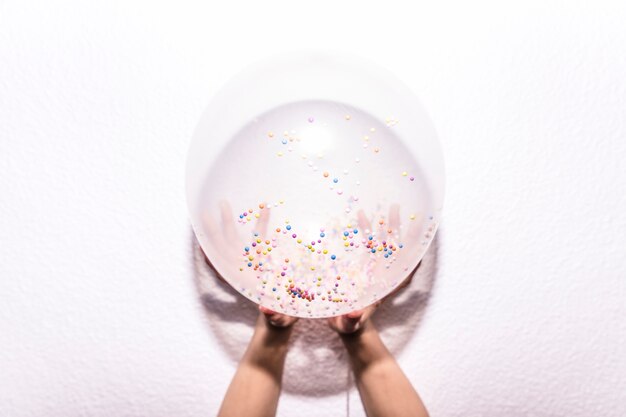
pixel 316 365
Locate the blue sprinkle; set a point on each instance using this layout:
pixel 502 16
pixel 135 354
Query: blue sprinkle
pixel 355 231
pixel 284 141
pixel 322 234
pixel 373 250
pixel 247 249
pixel 249 263
pixel 371 237
pixel 386 255
pixel 260 263
pixel 241 216
pixel 346 233
pixel 273 289
pixel 288 227
pixel 335 180
pixel 333 257
pixel 401 246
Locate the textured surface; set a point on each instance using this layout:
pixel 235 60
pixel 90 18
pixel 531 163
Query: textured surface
pixel 100 313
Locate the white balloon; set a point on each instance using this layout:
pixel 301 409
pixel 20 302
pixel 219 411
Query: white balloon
pixel 315 183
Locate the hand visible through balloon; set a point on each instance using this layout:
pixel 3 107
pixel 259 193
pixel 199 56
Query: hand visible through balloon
pixel 224 235
pixel 391 228
pixel 356 320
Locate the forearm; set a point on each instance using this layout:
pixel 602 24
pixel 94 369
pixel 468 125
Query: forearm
pixel 255 388
pixel 385 390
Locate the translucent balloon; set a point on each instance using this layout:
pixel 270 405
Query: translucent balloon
pixel 315 183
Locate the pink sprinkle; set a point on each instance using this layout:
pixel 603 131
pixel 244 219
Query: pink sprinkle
pixel 311 120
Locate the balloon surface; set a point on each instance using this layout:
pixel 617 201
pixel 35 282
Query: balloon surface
pixel 315 183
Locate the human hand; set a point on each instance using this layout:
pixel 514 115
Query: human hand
pixel 224 233
pixel 356 320
pixel 277 320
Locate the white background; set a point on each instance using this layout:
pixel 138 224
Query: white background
pixel 99 314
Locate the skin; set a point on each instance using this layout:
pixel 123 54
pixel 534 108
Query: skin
pixel 255 389
pixel 385 390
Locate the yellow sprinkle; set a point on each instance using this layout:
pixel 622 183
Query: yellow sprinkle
pixel 264 252
pixel 269 249
pixel 257 215
pixel 270 134
pixel 281 201
pixel 349 225
pixel 312 268
pixel 412 217
pixel 279 154
pixel 325 251
pixel 299 240
pixel 250 258
pixel 366 138
pixel 348 117
pixel 346 244
pixel 373 129
pixel 258 241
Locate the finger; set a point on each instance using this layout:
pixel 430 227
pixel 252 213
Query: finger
pixel 212 232
pixel 356 314
pixel 364 223
pixel 394 218
pixel 228 223
pixel 270 315
pixel 263 220
pixel 350 323
pixel 277 319
pixel 266 311
pixel 416 226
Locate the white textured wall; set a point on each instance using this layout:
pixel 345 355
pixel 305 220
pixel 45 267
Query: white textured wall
pixel 99 311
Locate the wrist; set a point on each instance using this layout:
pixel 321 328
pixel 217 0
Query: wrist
pixel 365 348
pixel 366 328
